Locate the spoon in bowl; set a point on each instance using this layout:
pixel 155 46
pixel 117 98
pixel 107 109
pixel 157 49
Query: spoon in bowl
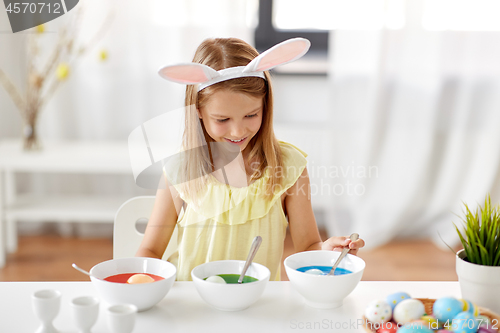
pixel 81 270
pixel 353 237
pixel 253 250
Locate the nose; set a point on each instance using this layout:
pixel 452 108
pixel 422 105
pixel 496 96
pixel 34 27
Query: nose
pixel 237 131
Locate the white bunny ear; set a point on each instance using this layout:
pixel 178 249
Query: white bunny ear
pixel 280 54
pixel 189 73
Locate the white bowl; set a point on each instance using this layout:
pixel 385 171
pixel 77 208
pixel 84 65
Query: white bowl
pixel 230 297
pixel 144 295
pixel 322 291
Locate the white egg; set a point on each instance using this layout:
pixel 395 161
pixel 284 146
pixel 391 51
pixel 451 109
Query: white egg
pixel 314 271
pixel 408 310
pixel 378 311
pixel 216 279
pixel 140 278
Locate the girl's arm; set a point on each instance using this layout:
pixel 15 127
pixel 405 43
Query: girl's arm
pixel 302 224
pixel 161 224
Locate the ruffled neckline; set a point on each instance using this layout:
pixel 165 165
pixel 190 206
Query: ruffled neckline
pixel 236 205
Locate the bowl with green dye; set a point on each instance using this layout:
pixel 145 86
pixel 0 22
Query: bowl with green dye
pixel 323 291
pixel 230 296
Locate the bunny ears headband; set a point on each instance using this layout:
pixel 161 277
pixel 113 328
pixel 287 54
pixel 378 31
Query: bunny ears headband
pixel 194 73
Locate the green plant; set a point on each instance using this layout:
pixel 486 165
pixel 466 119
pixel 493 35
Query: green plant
pixel 481 234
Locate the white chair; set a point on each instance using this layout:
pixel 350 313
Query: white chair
pixel 126 237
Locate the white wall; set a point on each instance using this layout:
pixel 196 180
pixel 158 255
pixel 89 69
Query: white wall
pixel 302 118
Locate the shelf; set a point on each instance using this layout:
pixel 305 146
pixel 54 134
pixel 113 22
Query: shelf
pixel 73 208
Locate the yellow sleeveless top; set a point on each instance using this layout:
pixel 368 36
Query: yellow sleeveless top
pixel 228 219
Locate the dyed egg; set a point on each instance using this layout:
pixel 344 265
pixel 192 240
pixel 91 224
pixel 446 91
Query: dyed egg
pixel 483 320
pixel 394 299
pixel 464 322
pixel 431 322
pixel 486 329
pixel 414 327
pixel 470 307
pixel 446 308
pixel 378 311
pixel 388 327
pixel 216 279
pixel 140 278
pixel 314 271
pixel 408 310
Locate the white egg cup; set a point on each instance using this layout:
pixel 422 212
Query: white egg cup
pixel 121 318
pixel 85 310
pixel 46 304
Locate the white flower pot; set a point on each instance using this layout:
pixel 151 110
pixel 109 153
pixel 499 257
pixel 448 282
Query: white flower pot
pixel 479 284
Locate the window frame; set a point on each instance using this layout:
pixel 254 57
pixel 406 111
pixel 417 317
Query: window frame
pixel 266 35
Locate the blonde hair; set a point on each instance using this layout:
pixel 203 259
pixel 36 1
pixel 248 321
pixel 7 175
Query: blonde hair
pixel 197 164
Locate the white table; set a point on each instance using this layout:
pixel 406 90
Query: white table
pixel 280 309
pixel 72 157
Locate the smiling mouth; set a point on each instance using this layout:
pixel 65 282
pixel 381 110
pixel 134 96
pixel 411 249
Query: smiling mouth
pixel 235 141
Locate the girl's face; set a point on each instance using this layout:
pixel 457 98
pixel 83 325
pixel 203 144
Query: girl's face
pixel 232 117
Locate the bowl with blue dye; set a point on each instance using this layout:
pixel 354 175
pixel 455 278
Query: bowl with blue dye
pixel 307 274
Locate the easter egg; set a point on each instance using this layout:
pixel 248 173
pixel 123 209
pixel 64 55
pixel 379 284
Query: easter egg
pixel 469 307
pixel 215 279
pixel 414 327
pixel 431 322
pixel 486 329
pixel 394 299
pixel 314 271
pixel 464 322
pixel 446 308
pixel 378 311
pixel 483 320
pixel 388 327
pixel 140 278
pixel 408 310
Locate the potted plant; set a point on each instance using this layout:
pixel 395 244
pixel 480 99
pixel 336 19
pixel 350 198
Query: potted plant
pixel 478 263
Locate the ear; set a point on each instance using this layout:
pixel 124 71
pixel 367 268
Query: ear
pixel 280 54
pixel 190 73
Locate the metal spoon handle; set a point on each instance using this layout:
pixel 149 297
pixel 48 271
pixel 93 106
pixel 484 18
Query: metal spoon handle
pixel 253 250
pixel 80 269
pixel 353 237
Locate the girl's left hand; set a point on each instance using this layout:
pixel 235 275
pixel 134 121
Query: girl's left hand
pixel 339 243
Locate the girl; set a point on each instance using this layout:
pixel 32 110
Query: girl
pixel 235 180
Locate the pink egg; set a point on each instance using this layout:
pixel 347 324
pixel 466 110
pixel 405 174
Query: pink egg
pixel 486 329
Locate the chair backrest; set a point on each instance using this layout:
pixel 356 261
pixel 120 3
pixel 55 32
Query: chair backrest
pixel 126 237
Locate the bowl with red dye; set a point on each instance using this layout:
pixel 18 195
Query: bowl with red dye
pixel 110 280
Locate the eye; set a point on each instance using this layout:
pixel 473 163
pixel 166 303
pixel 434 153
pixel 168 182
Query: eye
pixel 252 115
pixel 222 120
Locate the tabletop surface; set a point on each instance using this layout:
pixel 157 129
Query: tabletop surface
pixel 280 308
pixel 67 156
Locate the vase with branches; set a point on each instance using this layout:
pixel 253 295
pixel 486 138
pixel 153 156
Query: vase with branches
pixel 44 76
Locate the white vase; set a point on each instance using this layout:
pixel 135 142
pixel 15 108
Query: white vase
pixel 479 284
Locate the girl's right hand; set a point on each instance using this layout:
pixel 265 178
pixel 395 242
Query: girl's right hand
pixel 339 243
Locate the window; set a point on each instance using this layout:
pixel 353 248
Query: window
pixel 315 19
pixel 461 15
